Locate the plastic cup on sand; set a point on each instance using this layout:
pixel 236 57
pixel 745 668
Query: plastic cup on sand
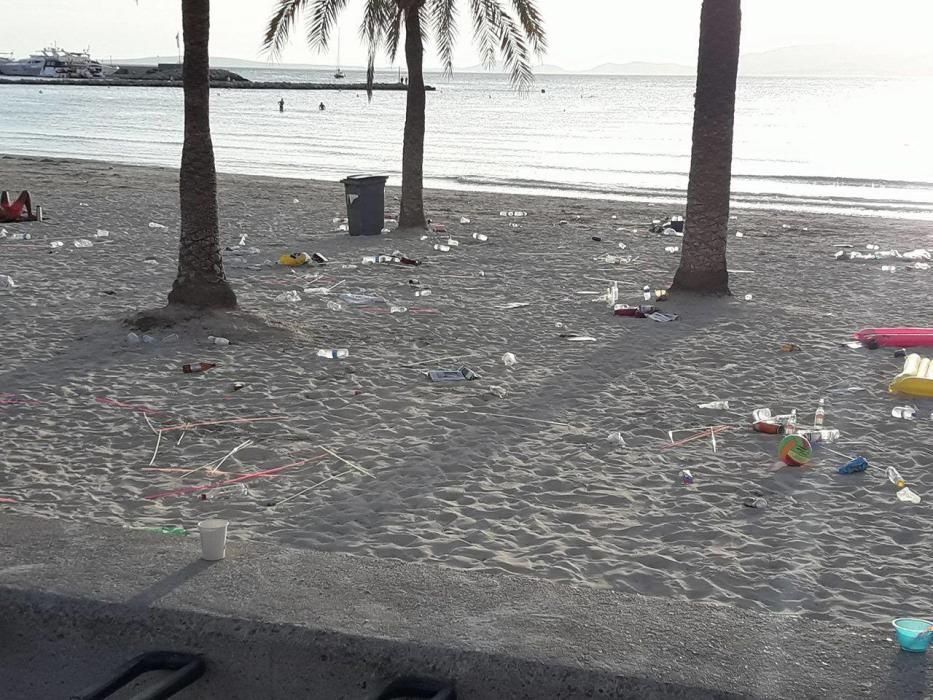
pixel 913 634
pixel 213 539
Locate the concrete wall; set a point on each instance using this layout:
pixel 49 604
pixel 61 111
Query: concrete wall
pixel 76 600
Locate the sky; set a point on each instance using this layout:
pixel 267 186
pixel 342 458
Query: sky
pixel 582 33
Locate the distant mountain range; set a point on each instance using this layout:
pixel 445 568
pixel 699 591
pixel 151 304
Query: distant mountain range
pixel 815 61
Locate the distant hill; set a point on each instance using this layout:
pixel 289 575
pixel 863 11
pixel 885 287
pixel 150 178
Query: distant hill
pixel 792 61
pixel 827 60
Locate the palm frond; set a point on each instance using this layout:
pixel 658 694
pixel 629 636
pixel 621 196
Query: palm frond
pixel 483 33
pixel 321 20
pixel 372 31
pixel 493 24
pixel 394 34
pixel 280 26
pixel 532 24
pixel 444 20
pixel 512 44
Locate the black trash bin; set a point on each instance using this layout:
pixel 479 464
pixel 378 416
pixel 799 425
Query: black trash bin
pixel 365 204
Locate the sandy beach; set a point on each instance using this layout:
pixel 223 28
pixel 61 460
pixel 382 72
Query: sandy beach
pixel 510 472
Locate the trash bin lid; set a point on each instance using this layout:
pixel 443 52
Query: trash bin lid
pixel 363 179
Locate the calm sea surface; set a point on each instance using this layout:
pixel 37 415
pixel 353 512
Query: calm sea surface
pixel 854 145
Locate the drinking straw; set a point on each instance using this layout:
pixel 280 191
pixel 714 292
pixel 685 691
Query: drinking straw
pixel 245 477
pixel 348 463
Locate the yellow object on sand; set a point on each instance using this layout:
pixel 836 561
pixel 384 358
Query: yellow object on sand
pixel 916 379
pixel 295 259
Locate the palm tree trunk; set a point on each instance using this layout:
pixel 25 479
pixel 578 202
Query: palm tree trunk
pixel 201 280
pixel 411 214
pixel 703 260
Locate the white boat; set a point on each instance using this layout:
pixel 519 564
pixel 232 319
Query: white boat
pixel 57 63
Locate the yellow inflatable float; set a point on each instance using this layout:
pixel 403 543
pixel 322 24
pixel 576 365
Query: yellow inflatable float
pixel 916 379
pixel 295 259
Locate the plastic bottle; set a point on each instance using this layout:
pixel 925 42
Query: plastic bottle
pixel 453 242
pixel 686 477
pixel 441 247
pixel 755 503
pixel 423 293
pixel 646 292
pixel 509 360
pixel 168 530
pixel 224 492
pixel 905 412
pixel 217 340
pixel 464 220
pixel 83 243
pixel 334 353
pixel 334 306
pixel 6 282
pixel 616 439
pixel 56 244
pixel 820 416
pixel 20 236
pixel 393 309
pixel 480 236
pixel 132 338
pixel 717 405
pixel 888 268
pixel 790 425
pixel 198 367
pixel 671 249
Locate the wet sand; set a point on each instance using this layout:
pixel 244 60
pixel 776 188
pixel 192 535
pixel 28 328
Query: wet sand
pixel 513 471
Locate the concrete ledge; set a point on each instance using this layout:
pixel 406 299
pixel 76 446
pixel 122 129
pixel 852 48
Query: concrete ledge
pixel 76 600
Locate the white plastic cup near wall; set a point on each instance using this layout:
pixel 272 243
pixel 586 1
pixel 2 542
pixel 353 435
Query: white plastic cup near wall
pixel 213 539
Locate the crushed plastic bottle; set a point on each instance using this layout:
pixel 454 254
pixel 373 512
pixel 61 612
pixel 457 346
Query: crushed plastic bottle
pixel 150 339
pixel 671 249
pixel 509 359
pixel 480 236
pixel 646 292
pixel 905 495
pixel 393 309
pixel 335 306
pixel 616 439
pixel 334 353
pixel 153 224
pixel 905 412
pixel 423 293
pixel 749 297
pixel 464 220
pixel 132 339
pixel 686 477
pixel 222 493
pixel 441 247
pixel 453 242
pixel 755 502
pixel 217 340
pixel 895 477
pixel 242 240
pixel 716 405
pixel 889 268
pixel 83 243
pixel 56 244
pixel 343 227
pixel 6 282
pixel 824 435
pixel 289 297
pixel 168 530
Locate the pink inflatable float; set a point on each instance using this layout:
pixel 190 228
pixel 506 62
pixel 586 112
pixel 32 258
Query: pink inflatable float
pixel 896 337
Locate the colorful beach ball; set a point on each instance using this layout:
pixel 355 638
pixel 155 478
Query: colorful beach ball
pixel 795 450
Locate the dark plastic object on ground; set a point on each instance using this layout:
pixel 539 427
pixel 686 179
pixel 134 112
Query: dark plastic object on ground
pixel 421 688
pixel 365 195
pixel 186 669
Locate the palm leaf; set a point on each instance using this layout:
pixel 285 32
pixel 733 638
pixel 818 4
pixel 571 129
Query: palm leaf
pixel 513 47
pixel 394 34
pixel 444 19
pixel 319 23
pixel 532 24
pixel 483 33
pixel 280 26
pixel 372 32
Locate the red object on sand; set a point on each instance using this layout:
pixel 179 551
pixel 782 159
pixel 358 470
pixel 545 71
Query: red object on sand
pixel 439 228
pixel 198 367
pixel 896 337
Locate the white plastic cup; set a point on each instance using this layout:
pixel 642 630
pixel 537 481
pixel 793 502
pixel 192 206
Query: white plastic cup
pixel 213 539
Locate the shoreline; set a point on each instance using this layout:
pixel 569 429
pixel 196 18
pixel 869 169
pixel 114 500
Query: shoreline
pixel 215 84
pixel 512 472
pixel 764 202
